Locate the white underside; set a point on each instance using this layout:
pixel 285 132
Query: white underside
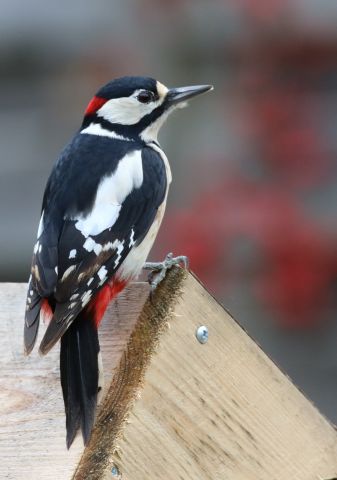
pixel 134 262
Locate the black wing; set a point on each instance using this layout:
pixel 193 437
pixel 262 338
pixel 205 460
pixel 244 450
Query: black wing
pixel 86 263
pixel 71 188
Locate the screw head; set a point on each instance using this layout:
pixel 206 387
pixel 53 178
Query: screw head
pixel 202 334
pixel 114 471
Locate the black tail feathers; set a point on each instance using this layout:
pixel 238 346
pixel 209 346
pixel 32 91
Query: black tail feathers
pixel 79 376
pixel 32 321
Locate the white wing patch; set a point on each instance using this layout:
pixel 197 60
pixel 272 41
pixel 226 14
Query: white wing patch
pixel 111 193
pixel 86 297
pixel 102 272
pixel 72 253
pixel 91 246
pixel 120 248
pixel 132 238
pixel 68 272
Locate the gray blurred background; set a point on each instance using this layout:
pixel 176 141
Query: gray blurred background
pixel 253 201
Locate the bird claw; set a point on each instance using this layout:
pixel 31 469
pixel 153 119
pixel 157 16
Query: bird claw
pixel 159 269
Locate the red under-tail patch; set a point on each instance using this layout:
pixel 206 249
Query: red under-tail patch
pixel 46 311
pixel 102 299
pixel 95 104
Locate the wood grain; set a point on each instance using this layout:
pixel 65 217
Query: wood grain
pixel 32 421
pixel 222 410
pixel 128 379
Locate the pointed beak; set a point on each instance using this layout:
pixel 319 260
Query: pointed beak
pixel 177 95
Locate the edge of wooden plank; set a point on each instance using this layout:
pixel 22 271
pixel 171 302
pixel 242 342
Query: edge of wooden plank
pixel 128 378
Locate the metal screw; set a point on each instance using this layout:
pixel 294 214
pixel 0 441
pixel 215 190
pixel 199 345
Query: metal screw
pixel 114 471
pixel 202 334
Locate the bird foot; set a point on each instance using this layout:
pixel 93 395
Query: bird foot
pixel 159 269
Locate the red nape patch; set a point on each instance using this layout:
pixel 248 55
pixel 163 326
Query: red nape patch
pixel 46 311
pixel 102 299
pixel 95 104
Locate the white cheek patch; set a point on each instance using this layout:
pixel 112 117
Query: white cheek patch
pixel 111 194
pixel 125 111
pixel 150 133
pixel 128 110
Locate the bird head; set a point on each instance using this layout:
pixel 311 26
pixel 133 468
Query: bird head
pixel 137 106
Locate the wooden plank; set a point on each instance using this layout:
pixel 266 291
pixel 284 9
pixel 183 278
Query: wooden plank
pixel 32 422
pixel 128 378
pixel 221 410
pixel 214 411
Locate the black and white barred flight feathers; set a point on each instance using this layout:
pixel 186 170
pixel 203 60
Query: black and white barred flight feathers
pixel 101 211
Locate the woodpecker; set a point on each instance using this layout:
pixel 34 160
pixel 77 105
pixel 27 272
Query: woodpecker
pixel 102 207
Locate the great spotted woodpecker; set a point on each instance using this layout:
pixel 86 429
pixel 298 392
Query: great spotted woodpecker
pixel 101 211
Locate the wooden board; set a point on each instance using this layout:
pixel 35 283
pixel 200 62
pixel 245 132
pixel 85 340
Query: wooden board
pixel 32 421
pixel 221 410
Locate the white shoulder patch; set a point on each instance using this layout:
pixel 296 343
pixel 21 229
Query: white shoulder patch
pixel 111 193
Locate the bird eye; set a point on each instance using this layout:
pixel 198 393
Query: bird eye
pixel 145 97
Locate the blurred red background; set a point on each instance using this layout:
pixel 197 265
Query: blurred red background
pixel 267 201
pixel 254 163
